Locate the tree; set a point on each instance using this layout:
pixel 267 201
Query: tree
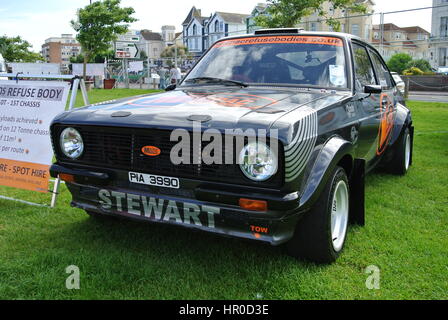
pixel 143 55
pixel 421 64
pixel 15 49
pixel 98 24
pixel 169 52
pixel 98 58
pixel 398 62
pixel 288 13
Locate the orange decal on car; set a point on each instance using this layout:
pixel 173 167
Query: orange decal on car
pixel 330 41
pixel 151 151
pixel 386 124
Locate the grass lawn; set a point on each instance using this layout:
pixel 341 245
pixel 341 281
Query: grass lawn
pixel 99 95
pixel 406 236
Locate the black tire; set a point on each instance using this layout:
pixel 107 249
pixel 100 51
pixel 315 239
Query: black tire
pixel 313 236
pixel 400 164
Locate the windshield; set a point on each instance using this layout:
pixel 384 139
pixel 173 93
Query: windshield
pixel 275 60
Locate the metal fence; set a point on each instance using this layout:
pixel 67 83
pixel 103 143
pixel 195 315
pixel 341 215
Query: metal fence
pixel 149 75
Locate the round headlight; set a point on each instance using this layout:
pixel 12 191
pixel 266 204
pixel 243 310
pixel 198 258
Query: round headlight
pixel 71 143
pixel 257 161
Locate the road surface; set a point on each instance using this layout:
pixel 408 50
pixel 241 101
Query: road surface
pixel 429 96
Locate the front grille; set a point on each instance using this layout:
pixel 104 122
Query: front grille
pixel 120 148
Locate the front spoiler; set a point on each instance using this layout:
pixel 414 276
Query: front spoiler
pixel 92 192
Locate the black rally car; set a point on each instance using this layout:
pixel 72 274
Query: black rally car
pixel 268 137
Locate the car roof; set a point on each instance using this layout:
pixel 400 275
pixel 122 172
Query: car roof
pixel 296 32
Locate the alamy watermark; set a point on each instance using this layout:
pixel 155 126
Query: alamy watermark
pixel 373 280
pixel 72 281
pixel 219 148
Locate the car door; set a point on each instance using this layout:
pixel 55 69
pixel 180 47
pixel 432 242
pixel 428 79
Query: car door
pixel 388 102
pixel 367 105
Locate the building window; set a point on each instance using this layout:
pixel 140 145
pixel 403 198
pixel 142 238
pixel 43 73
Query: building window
pixel 444 27
pixel 195 30
pixel 313 26
pixel 443 57
pixel 355 29
pixel 397 35
pixel 376 35
pixel 367 32
pixel 216 26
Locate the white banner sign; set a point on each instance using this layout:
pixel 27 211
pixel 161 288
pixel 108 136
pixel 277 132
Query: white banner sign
pixel 36 68
pixel 135 66
pixel 26 111
pixel 93 69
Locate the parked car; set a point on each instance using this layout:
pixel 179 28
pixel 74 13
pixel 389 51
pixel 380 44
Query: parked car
pixel 443 70
pixel 3 68
pixel 399 82
pixel 304 117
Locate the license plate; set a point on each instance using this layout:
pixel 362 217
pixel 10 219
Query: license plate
pixel 153 180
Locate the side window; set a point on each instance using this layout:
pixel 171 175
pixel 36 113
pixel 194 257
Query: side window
pixel 381 71
pixel 363 67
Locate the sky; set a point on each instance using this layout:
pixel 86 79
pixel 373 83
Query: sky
pixel 37 20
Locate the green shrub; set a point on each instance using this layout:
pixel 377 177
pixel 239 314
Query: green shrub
pixel 398 62
pixel 421 64
pixel 414 71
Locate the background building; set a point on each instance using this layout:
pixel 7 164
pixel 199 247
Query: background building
pixel 411 40
pixel 151 43
pixel 224 24
pixel 353 23
pixel 179 39
pixel 193 31
pixel 200 32
pixel 356 24
pixel 259 9
pixel 439 37
pixel 60 49
pixel 168 34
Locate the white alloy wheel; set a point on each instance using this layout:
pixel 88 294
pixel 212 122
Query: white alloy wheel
pixel 407 150
pixel 339 215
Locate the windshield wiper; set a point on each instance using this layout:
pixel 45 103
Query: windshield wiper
pixel 218 80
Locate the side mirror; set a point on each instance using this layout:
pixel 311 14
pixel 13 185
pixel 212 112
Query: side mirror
pixel 171 87
pixel 373 89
